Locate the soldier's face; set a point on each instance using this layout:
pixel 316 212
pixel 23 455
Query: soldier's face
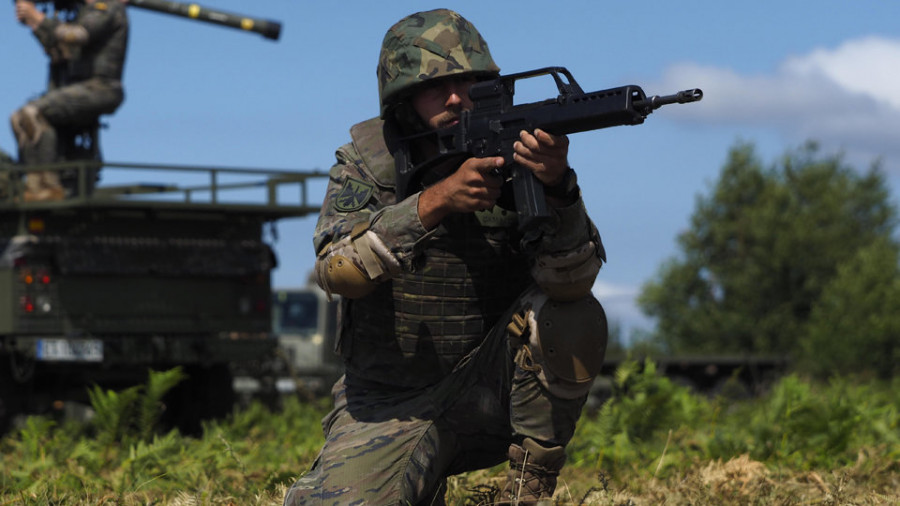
pixel 440 103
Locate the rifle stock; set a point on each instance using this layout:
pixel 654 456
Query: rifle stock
pixel 493 125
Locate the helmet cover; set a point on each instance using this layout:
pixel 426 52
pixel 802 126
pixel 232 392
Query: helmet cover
pixel 429 45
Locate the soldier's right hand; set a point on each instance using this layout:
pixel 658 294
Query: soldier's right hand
pixel 474 186
pixel 28 14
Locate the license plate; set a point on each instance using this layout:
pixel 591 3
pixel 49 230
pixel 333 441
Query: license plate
pixel 68 350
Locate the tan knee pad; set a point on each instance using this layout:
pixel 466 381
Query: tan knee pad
pixel 28 125
pixel 566 343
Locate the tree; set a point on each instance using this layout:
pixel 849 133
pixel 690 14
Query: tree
pixel 761 249
pixel 855 326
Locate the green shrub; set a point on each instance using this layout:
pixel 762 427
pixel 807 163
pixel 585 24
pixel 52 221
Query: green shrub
pixel 649 432
pixel 132 414
pixel 632 426
pixel 806 425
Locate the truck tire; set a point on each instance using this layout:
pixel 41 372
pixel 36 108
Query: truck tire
pixel 12 392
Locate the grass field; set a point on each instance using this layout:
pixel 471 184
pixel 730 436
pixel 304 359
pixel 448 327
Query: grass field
pixel 652 442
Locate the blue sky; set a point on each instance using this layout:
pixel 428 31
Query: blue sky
pixel 773 73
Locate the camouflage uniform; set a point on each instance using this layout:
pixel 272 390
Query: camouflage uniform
pixel 87 58
pixel 5 159
pixel 440 377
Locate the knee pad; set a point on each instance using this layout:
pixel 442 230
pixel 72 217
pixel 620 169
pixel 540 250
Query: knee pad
pixel 566 343
pixel 29 125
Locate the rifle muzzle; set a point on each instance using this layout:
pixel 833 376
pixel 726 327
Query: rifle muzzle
pixel 682 97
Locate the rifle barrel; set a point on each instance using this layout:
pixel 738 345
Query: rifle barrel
pixel 682 97
pixel 266 28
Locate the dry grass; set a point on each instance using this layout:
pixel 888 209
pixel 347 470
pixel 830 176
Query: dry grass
pixel 738 481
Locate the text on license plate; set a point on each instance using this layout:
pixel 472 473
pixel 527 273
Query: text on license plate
pixel 71 350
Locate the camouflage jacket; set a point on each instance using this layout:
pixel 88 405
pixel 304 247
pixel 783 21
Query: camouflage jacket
pixel 102 56
pixel 362 190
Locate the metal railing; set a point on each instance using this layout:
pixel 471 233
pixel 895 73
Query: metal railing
pixel 185 185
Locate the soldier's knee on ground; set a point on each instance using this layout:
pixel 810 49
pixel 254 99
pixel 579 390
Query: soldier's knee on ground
pixel 564 343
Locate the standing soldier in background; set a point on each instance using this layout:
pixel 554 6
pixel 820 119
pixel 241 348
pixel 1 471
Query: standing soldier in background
pixel 87 58
pixel 465 342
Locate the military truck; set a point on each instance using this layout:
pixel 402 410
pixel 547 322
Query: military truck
pixel 118 279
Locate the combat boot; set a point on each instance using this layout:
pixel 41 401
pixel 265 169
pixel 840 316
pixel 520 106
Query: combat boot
pixel 42 186
pixel 532 474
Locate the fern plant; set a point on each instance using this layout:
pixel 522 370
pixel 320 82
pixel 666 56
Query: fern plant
pixel 159 383
pixel 132 414
pixel 633 424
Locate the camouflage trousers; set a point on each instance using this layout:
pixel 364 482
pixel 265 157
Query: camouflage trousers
pixel 74 105
pixel 385 448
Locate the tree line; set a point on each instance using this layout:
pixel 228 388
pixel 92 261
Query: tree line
pixel 798 258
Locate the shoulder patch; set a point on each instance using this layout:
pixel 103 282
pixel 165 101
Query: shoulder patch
pixel 100 6
pixel 354 195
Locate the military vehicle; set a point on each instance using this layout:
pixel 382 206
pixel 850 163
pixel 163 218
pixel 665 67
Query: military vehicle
pixel 102 286
pixel 117 279
pixel 305 323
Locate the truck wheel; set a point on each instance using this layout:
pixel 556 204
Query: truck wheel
pixel 207 394
pixel 12 400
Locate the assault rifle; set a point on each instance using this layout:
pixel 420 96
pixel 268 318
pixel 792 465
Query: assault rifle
pixel 493 125
pixel 266 28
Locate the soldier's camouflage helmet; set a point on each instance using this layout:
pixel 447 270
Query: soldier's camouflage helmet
pixel 428 45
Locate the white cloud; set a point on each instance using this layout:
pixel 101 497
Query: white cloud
pixel 868 66
pixel 619 302
pixel 848 98
pixel 603 290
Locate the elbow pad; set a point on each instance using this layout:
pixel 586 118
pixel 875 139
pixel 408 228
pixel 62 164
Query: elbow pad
pixel 568 275
pixel 354 265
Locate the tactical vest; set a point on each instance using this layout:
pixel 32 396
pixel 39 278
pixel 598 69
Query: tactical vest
pixel 411 331
pixel 101 58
